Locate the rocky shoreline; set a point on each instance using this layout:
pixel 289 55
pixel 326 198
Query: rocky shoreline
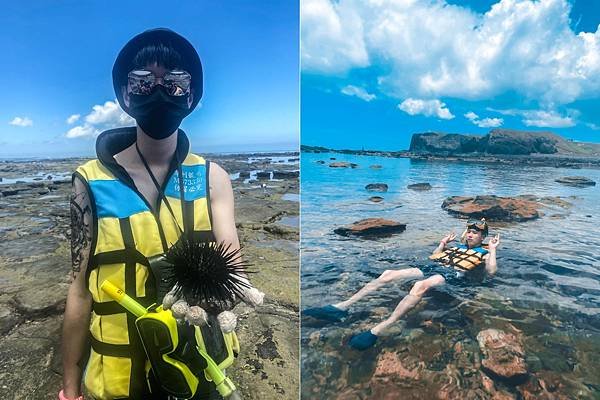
pixel 538 160
pixel 35 264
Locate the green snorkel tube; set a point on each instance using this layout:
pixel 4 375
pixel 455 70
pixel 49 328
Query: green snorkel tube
pixel 160 337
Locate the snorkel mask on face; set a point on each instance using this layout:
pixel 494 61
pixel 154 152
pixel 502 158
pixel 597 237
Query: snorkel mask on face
pixel 479 225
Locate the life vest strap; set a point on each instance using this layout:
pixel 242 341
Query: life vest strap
pixel 120 256
pixel 112 350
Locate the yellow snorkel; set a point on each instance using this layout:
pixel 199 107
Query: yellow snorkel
pixel 175 364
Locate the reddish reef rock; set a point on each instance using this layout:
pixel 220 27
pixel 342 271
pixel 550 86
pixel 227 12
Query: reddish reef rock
pixel 389 364
pixel 372 227
pixel 494 208
pixel 503 355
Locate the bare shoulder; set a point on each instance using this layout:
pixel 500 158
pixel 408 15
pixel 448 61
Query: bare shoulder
pixel 219 179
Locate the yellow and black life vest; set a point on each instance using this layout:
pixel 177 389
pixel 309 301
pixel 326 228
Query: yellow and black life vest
pixel 127 232
pixel 461 257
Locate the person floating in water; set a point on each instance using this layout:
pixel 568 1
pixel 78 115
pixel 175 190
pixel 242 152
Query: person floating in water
pixel 453 263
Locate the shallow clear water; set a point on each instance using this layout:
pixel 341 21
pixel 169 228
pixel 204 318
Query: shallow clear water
pixel 547 284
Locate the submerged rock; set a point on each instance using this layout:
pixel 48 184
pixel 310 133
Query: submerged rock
pixel 374 227
pixel 376 199
pixel 375 166
pixel 503 355
pixel 339 164
pixel 493 208
pixel 420 186
pixel 577 181
pixel 390 364
pixel 377 187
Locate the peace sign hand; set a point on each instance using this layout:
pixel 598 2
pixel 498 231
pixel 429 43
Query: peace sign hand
pixel 448 238
pixel 494 242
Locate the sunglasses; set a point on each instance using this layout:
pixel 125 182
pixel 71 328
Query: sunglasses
pixel 142 82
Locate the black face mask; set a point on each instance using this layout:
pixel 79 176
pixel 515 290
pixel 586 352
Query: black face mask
pixel 158 114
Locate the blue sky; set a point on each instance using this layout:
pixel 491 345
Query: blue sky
pixel 374 73
pixel 58 58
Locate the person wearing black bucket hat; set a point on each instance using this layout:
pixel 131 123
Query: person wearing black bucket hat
pixel 128 207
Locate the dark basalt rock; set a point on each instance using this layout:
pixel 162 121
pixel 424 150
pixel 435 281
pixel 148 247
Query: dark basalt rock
pixel 371 227
pixel 420 186
pixel 263 175
pixel 339 164
pixel 377 187
pixel 577 181
pixel 285 174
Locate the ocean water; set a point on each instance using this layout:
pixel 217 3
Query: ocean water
pixel 547 287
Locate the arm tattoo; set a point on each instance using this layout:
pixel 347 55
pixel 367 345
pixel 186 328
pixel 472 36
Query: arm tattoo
pixel 81 236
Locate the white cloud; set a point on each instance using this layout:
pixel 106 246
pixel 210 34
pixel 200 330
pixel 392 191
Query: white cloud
pixel 106 116
pixel 359 92
pixel 73 118
pixel 593 126
pixel 428 108
pixel 471 116
pixel 542 118
pixel 547 119
pixel 433 49
pixel 332 37
pixel 484 123
pixel 21 121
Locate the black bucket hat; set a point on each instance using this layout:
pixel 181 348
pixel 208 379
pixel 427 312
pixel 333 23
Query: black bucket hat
pixel 124 62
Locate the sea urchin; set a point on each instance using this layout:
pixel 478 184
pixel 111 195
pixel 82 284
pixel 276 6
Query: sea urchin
pixel 206 274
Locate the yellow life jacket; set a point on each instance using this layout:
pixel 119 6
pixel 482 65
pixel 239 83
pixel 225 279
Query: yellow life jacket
pixel 127 232
pixel 461 257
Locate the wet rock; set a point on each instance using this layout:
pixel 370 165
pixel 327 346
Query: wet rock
pixel 390 364
pixel 377 187
pixel 353 165
pixel 285 174
pixel 376 199
pixel 245 174
pixel 371 227
pixel 375 166
pixel 320 162
pixel 420 186
pixel 493 208
pixel 340 164
pixel 261 175
pixel 503 355
pixel 577 181
pixel 332 158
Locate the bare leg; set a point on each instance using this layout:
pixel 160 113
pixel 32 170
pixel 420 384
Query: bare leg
pixel 386 277
pixel 409 302
pixel 367 339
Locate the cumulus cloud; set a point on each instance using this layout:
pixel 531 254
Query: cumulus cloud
pixel 485 122
pixel 359 92
pixel 332 37
pixel 21 121
pixel 542 118
pixel 106 116
pixel 73 118
pixel 428 108
pixel 430 49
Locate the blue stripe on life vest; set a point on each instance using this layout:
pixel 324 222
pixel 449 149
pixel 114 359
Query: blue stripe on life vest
pixel 194 182
pixel 477 249
pixel 115 199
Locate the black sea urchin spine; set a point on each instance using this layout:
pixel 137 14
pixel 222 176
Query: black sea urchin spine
pixel 207 274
